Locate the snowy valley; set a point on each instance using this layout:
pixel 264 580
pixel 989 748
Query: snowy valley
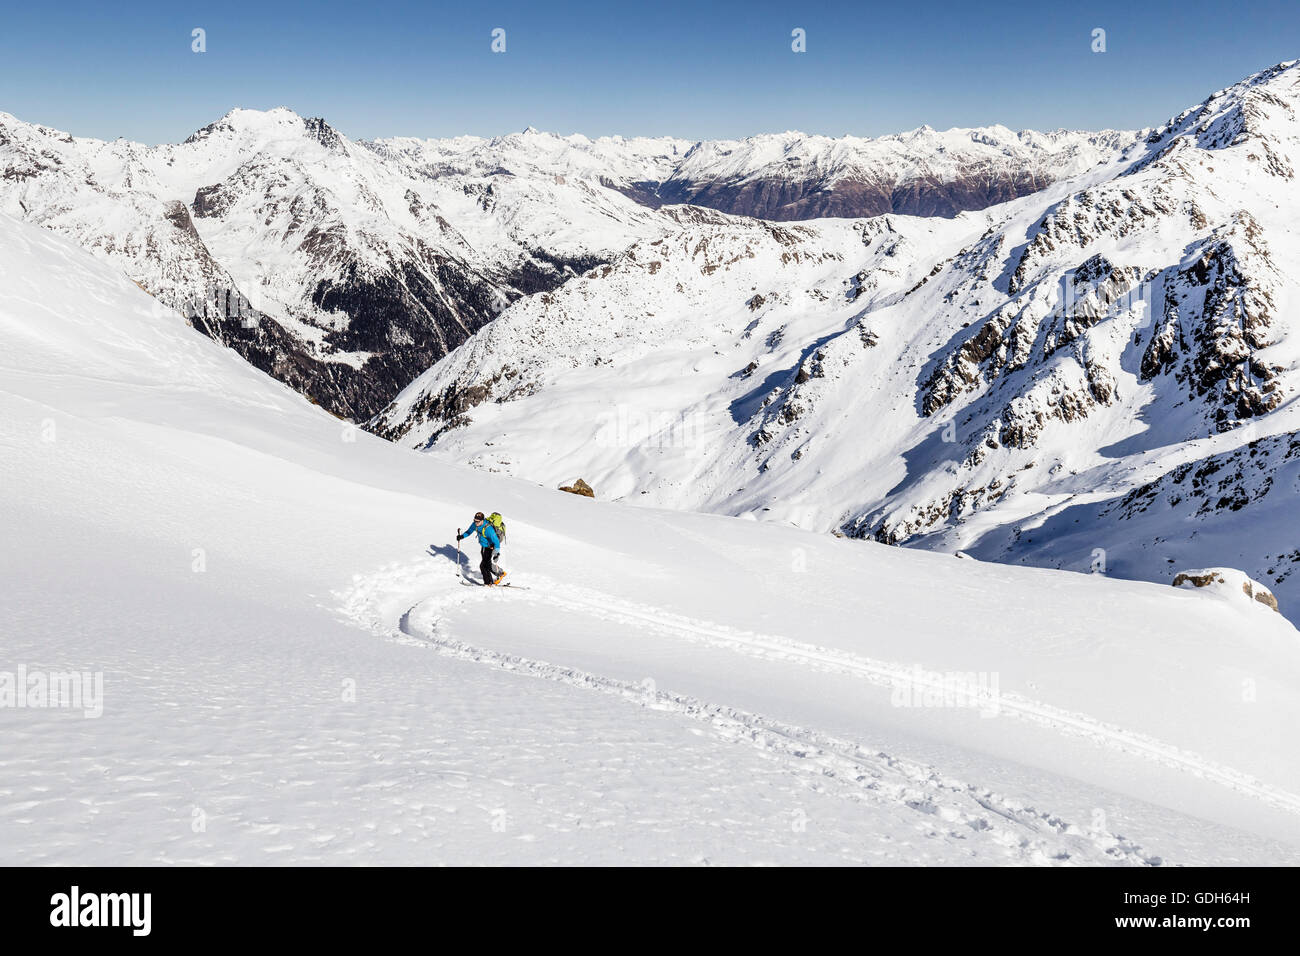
pixel 1098 377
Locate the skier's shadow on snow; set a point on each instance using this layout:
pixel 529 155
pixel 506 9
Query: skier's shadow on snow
pixel 446 551
pixel 450 554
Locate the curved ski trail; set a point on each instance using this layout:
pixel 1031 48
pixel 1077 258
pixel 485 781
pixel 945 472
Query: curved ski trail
pixel 389 603
pixel 890 674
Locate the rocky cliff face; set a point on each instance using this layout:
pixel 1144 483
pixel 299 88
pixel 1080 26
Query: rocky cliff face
pixel 1150 296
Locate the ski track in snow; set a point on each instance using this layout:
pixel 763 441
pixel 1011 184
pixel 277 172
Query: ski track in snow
pixel 381 603
pixel 892 675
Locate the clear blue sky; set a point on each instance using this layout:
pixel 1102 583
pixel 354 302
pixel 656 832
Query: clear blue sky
pixel 696 69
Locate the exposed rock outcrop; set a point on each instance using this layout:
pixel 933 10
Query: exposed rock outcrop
pixel 579 487
pixel 1227 581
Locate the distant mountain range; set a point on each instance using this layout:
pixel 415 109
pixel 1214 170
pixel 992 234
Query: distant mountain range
pixel 345 269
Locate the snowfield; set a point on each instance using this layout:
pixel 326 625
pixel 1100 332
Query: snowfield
pixel 293 670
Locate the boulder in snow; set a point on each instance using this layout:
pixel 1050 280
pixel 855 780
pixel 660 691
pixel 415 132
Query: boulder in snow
pixel 579 487
pixel 1227 581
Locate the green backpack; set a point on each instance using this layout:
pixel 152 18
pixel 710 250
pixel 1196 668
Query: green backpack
pixel 499 524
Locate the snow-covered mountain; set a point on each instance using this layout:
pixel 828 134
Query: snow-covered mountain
pixel 286 668
pixel 924 172
pixel 791 176
pixel 1097 376
pixel 325 264
pixel 347 268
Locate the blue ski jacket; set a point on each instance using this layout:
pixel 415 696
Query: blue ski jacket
pixel 487 535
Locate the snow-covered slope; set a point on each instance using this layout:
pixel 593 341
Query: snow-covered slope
pixel 292 672
pixel 624 366
pixel 1098 376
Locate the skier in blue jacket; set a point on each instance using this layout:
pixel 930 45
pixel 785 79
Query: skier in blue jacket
pixel 490 545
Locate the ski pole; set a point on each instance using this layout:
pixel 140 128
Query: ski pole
pixel 459 572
